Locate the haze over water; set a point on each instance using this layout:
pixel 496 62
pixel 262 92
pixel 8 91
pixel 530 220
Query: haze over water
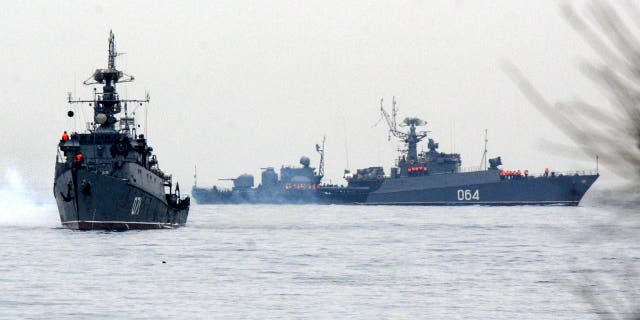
pixel 246 70
pixel 326 262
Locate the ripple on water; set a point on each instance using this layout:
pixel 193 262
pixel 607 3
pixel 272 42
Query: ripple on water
pixel 319 262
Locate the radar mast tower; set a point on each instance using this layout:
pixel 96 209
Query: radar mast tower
pixel 411 138
pixel 107 104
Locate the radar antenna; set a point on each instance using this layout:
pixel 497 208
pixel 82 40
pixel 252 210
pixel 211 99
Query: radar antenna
pixel 111 73
pixel 391 120
pixel 195 175
pixel 411 138
pixel 320 150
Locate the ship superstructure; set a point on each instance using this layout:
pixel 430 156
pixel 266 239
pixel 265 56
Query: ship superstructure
pixel 294 184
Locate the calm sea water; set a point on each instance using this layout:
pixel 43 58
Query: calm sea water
pixel 272 262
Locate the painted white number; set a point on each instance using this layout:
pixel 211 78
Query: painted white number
pixel 468 195
pixel 135 208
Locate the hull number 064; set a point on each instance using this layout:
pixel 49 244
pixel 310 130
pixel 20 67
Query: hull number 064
pixel 468 195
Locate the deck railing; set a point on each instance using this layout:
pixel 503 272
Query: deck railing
pixel 535 174
pixel 567 173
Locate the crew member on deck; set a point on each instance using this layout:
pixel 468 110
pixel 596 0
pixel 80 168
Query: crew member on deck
pixel 65 136
pixel 546 172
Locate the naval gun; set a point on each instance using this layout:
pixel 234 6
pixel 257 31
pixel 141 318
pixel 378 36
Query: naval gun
pixel 242 182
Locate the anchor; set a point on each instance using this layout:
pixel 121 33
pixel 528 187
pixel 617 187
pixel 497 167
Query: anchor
pixel 69 196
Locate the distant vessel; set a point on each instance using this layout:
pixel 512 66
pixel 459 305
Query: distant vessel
pixel 436 178
pixel 419 178
pixel 107 177
pixel 294 185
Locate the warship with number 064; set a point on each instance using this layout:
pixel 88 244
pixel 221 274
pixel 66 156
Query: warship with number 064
pixel 107 177
pixel 437 178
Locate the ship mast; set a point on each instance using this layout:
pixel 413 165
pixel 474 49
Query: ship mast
pixel 111 62
pixel 195 175
pixel 107 104
pixel 483 162
pixel 412 137
pixel 391 120
pixel 320 150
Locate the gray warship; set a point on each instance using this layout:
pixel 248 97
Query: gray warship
pixel 107 177
pixel 437 178
pixel 418 178
pixel 294 185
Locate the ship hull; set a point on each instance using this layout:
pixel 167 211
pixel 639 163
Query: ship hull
pixel 451 189
pixel 110 203
pixel 256 196
pixel 482 188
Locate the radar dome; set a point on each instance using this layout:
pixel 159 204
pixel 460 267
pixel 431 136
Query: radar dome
pixel 304 160
pixel 412 121
pixel 101 118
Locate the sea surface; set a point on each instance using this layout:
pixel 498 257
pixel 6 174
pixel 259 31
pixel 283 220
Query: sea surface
pixel 325 262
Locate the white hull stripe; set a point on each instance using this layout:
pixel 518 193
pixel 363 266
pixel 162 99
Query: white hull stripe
pixel 120 222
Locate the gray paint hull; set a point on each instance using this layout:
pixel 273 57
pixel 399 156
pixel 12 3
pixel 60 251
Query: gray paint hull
pixel 452 189
pixel 482 188
pixel 254 196
pixel 110 204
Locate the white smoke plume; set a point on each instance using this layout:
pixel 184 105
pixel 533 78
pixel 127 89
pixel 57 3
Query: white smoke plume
pixel 17 204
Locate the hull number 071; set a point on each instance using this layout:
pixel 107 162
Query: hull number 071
pixel 468 195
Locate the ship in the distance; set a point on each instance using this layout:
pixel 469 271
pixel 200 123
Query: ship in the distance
pixel 294 185
pixel 418 178
pixel 437 178
pixel 107 177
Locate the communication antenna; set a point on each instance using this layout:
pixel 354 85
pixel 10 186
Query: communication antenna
pixel 394 110
pixel 451 135
pixel 391 120
pixel 195 176
pixel 146 117
pixel 320 150
pixel 483 162
pixel 346 142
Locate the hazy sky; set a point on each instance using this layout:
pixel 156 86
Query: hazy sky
pixel 236 86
